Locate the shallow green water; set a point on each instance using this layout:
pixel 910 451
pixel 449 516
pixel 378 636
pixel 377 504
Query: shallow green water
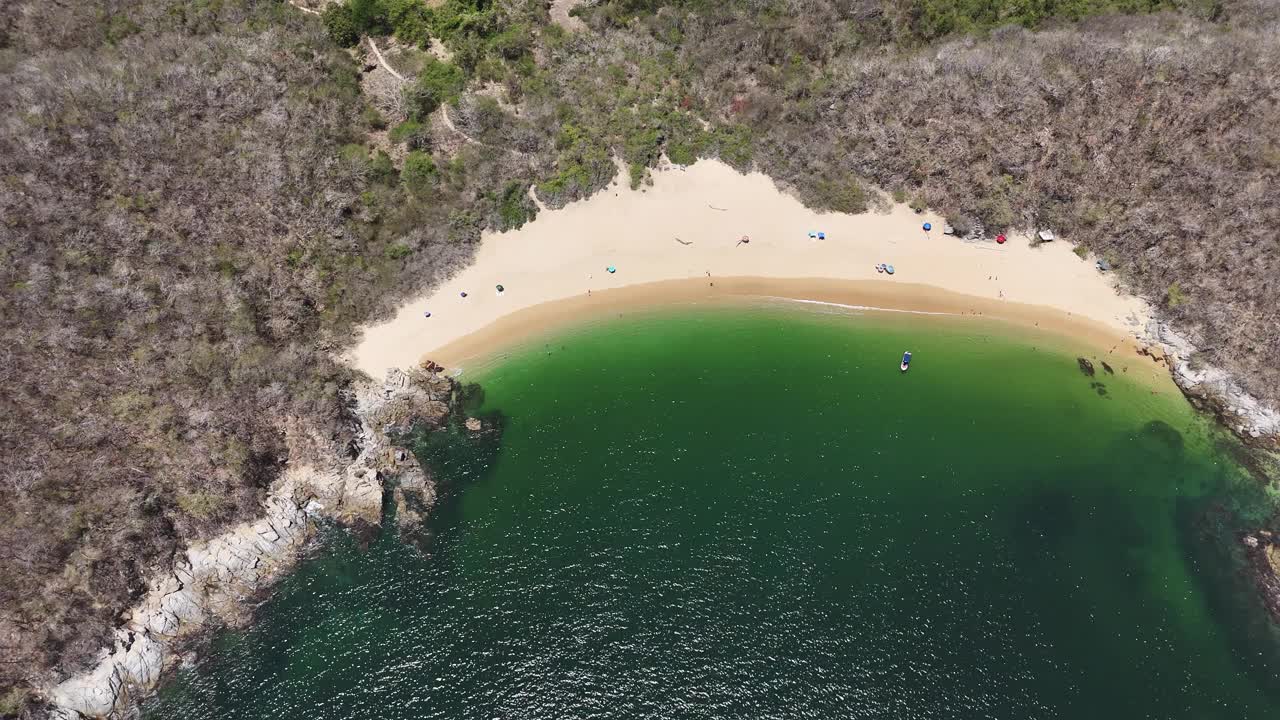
pixel 752 514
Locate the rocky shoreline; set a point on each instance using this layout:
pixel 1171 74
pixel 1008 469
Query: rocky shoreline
pixel 213 582
pixel 1210 388
pixel 1213 390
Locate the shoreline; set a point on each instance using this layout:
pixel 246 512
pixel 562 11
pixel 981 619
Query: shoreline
pixel 528 325
pixel 687 228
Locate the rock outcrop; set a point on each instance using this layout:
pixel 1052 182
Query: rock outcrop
pixel 213 581
pixel 1262 547
pixel 1211 388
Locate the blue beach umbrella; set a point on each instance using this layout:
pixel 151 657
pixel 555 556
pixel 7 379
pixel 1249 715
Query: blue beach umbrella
pixel 463 294
pixel 612 269
pixel 888 269
pixel 822 236
pixel 928 227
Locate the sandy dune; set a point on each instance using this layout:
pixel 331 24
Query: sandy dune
pixel 687 227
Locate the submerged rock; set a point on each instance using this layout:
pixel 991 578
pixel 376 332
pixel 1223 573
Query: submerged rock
pixel 1263 551
pixel 415 497
pixel 1086 366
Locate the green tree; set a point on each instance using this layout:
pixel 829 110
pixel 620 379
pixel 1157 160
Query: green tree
pixel 340 25
pixel 438 83
pixel 370 17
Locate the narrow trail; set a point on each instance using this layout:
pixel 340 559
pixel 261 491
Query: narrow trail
pixel 304 9
pixel 444 109
pixel 383 62
pixel 448 122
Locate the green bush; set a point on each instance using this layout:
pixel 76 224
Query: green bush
pixel 419 171
pixel 1174 296
pixel 733 145
pixel 381 169
pixel 932 19
pixel 203 505
pixel 459 19
pixel 438 83
pixel 354 158
pixel 373 118
pixel 340 25
pixel 397 251
pixel 413 134
pixel 846 196
pixel 514 207
pixel 410 20
pixel 513 42
pixel 682 153
pixel 12 702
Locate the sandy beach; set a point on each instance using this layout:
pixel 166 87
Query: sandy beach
pixel 680 241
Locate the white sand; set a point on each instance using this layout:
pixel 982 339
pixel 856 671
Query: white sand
pixel 564 254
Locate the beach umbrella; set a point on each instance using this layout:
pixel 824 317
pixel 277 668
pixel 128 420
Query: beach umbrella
pixel 822 236
pixel 928 227
pixel 612 269
pixel 813 234
pixel 463 293
pixel 426 314
pixel 500 288
pixel 888 269
pixel 1000 239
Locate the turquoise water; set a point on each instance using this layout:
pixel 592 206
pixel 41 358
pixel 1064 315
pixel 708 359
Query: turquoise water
pixel 753 514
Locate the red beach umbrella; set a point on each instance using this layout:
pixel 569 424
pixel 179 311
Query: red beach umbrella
pixel 1000 239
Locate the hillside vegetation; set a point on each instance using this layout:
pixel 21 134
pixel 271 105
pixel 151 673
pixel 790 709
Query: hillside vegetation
pixel 201 201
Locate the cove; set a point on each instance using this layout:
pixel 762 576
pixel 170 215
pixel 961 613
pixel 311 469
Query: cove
pixel 750 513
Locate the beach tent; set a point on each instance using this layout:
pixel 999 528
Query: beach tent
pixel 1046 235
pixel 812 234
pixel 822 236
pixel 1103 265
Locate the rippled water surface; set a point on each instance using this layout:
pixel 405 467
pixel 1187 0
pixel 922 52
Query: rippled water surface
pixel 752 514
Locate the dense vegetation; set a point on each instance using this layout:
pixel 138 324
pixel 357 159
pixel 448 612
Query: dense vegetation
pixel 201 201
